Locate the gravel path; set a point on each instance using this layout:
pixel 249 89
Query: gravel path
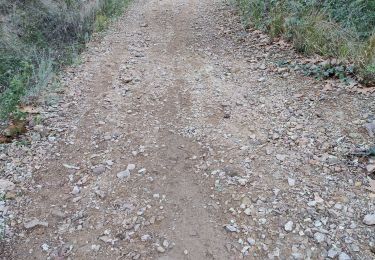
pixel 179 137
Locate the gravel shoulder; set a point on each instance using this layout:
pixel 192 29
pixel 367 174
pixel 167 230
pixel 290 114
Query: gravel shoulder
pixel 179 137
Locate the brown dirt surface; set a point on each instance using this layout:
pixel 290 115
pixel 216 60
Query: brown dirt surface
pixel 179 137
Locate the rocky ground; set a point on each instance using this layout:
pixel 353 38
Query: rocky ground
pixel 180 137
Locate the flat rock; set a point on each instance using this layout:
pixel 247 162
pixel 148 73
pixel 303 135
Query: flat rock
pixel 231 228
pixel 291 182
pixel 130 167
pixel 319 237
pixel 344 256
pixel 160 249
pixel 76 190
pixel 369 219
pixel 6 185
pixel 123 174
pixel 35 223
pixel 99 169
pixel 280 157
pixel 106 239
pixel 370 127
pixel 332 252
pixel 370 168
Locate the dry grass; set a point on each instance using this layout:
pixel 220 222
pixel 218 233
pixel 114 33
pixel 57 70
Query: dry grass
pixel 320 28
pixel 38 37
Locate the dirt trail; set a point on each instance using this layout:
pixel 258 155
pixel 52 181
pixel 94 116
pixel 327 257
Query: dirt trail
pixel 178 138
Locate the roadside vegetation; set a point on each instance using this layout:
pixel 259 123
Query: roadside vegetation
pixel 38 37
pixel 340 29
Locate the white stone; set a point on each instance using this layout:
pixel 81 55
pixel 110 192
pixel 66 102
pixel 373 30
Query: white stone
pixel 146 237
pixel 45 247
pixel 291 182
pixel 242 181
pixel 280 157
pixel 160 249
pixel 369 219
pixel 288 226
pixel 319 237
pixel 95 248
pixel 165 243
pixel 76 190
pixel 247 211
pixel 130 167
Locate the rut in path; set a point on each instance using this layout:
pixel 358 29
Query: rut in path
pixel 232 159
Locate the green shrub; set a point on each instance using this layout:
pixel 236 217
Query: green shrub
pixel 342 29
pixel 39 37
pixel 10 98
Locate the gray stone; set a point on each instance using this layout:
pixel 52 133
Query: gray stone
pixel 344 256
pixel 370 127
pixel 319 237
pixel 165 243
pixel 130 167
pixel 76 190
pixel 98 169
pixel 145 238
pixel 160 249
pixel 101 194
pixel 106 239
pixel 280 157
pixel 369 219
pixel 332 252
pixel 370 168
pixel 251 241
pixel 123 174
pixel 6 185
pixel 95 248
pixel 231 228
pixel 58 213
pixel 35 223
pixel 35 136
pixel 261 79
pixel 288 226
pixel 291 182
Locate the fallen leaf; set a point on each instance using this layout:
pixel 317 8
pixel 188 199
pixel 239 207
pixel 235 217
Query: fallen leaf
pixel 365 90
pixel 317 198
pixel 4 139
pixel 328 87
pixel 29 110
pixel 15 128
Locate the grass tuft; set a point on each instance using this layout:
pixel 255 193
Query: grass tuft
pixel 335 28
pixel 38 37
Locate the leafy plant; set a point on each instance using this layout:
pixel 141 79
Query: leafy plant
pixel 11 97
